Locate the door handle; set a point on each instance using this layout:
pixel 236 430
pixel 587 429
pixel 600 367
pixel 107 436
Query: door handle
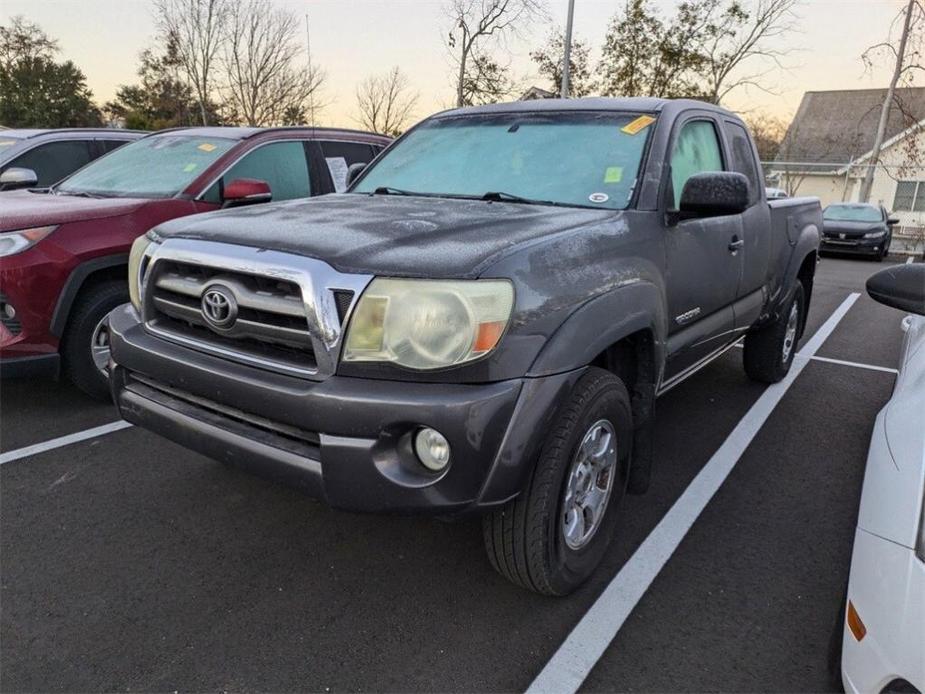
pixel 736 244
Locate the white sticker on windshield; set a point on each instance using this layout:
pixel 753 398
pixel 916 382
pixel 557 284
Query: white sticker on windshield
pixel 338 168
pixel 598 197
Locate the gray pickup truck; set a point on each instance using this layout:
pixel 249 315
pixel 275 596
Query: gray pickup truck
pixel 482 322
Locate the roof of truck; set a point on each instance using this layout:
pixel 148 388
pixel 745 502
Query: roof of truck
pixel 597 103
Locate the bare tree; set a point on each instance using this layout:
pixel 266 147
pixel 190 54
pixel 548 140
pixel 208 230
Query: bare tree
pixel 267 77
pixel 475 24
pixel 196 28
pixel 906 55
pixel 768 132
pixel 385 102
pixel 741 44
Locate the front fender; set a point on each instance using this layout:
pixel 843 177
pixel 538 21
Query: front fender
pixel 603 321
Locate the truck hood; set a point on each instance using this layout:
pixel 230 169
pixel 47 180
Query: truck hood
pixel 388 235
pixel 21 209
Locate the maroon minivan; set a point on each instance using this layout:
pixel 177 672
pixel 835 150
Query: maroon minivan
pixel 64 249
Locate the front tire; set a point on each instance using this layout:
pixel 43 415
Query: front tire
pixel 85 347
pixel 769 350
pixel 552 537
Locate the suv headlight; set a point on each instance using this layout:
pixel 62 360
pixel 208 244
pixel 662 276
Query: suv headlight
pixel 428 324
pixel 136 267
pixel 14 242
pixel 874 234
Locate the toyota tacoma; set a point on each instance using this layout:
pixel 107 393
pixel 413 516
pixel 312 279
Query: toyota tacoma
pixel 482 322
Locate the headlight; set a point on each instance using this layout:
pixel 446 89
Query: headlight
pixel 14 242
pixel 875 235
pixel 428 324
pixel 136 264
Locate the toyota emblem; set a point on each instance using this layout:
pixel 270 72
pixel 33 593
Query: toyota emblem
pixel 219 307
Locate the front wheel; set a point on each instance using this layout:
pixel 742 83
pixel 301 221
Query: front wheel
pixel 85 348
pixel 769 350
pixel 553 536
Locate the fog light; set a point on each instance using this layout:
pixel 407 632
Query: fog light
pixel 432 449
pixel 8 311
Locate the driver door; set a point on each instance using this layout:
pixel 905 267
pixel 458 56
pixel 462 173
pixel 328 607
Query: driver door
pixel 703 262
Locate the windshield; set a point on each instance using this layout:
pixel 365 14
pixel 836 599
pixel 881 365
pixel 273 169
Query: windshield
pixel 153 167
pixel 852 213
pixel 574 159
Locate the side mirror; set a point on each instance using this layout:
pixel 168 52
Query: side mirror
pixel 714 194
pixel 892 221
pixel 902 287
pixel 354 171
pixel 246 191
pixel 15 177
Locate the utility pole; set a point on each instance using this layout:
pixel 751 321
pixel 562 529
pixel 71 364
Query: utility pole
pixel 867 184
pixel 311 72
pixel 567 52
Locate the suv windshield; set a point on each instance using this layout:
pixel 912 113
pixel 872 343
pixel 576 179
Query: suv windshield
pixel 153 167
pixel 852 213
pixel 574 159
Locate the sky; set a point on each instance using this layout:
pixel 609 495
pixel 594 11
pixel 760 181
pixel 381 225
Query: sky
pixel 352 39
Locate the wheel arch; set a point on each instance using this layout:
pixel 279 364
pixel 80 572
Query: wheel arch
pixel 107 268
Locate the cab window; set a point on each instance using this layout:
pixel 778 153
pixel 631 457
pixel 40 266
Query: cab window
pixel 696 151
pixel 283 165
pixel 743 159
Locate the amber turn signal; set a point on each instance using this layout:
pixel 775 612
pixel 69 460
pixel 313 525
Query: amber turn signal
pixel 858 630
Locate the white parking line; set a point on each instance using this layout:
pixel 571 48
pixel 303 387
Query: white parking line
pixel 34 449
pixel 584 646
pixel 856 365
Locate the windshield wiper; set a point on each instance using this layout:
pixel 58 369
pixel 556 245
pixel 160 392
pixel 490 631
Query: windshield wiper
pixel 389 190
pixel 498 196
pixel 79 194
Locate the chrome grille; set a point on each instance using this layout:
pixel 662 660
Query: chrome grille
pixel 270 324
pixel 264 308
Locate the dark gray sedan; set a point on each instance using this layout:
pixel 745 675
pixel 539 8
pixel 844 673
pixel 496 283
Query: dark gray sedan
pixel 857 228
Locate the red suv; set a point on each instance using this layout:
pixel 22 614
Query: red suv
pixel 64 250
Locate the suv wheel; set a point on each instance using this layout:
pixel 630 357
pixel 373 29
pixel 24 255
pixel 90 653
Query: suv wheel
pixel 552 537
pixel 85 349
pixel 769 350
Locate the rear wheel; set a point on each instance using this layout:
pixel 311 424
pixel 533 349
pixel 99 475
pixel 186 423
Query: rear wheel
pixel 85 348
pixel 769 350
pixel 552 537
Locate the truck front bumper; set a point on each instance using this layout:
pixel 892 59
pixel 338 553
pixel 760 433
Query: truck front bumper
pixel 347 441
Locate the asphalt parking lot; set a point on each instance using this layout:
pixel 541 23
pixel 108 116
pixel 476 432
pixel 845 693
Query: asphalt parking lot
pixel 129 563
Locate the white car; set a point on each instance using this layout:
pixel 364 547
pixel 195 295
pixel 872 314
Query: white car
pixel 883 647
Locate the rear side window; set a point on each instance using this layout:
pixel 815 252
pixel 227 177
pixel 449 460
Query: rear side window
pixel 54 160
pixel 696 151
pixel 340 155
pixel 283 165
pixel 743 160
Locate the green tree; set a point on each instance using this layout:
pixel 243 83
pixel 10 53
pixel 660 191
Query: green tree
pixel 643 55
pixel 549 62
pixel 162 99
pixel 36 91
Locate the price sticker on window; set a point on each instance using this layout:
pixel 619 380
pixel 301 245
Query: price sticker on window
pixel 636 126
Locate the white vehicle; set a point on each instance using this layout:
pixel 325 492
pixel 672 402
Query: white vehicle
pixel 883 647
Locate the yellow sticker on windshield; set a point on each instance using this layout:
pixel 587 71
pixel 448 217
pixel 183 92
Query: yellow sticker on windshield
pixel 638 125
pixel 206 147
pixel 189 168
pixel 613 174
